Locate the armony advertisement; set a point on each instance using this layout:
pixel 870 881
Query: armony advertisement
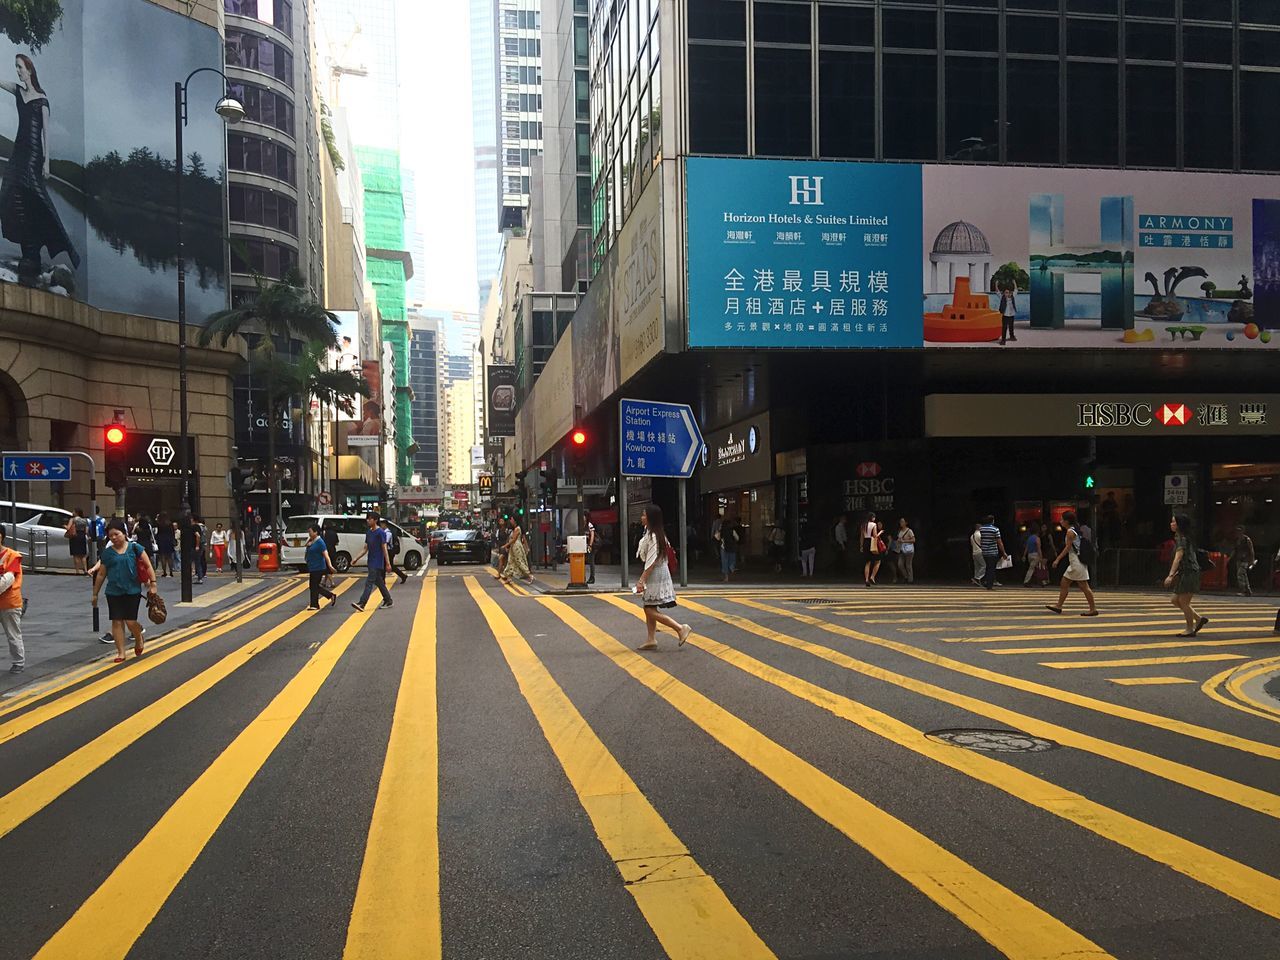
pixel 1052 257
pixel 797 253
pixel 95 217
pixel 828 254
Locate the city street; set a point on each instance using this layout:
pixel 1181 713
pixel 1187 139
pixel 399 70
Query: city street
pixel 486 771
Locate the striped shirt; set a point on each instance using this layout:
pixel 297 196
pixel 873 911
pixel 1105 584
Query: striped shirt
pixel 990 535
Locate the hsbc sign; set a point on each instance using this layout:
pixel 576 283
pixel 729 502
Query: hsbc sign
pixel 1045 415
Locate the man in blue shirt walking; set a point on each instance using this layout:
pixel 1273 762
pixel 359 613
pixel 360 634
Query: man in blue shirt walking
pixel 992 549
pixel 376 541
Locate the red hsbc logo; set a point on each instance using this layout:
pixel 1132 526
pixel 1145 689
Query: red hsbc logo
pixel 868 469
pixel 1174 414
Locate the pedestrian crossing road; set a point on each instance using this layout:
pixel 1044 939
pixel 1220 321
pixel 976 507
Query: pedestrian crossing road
pixel 485 771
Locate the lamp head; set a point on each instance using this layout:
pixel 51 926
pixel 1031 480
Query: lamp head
pixel 230 109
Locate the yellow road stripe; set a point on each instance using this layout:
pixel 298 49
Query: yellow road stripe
pixel 35 794
pixel 1193 730
pixel 1210 689
pixel 1039 612
pixel 59 682
pixel 1140 661
pixel 1129 647
pixel 1147 681
pixel 396 915
pixel 687 910
pixel 1086 635
pixel 109 923
pixel 1207 783
pixel 1236 880
pixel 1011 924
pixel 28 721
pixel 1236 682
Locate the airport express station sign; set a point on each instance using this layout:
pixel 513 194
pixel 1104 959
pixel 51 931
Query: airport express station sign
pixel 658 439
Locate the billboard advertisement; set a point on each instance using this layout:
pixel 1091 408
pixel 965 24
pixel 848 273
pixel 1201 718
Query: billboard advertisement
pixel 792 253
pixel 1051 257
pixel 501 381
pixel 639 302
pixel 87 204
pixel 827 254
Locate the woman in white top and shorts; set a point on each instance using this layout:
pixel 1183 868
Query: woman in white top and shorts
pixel 655 582
pixel 1076 571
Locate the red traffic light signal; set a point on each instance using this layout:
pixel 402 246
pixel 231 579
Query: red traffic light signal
pixel 579 438
pixel 115 435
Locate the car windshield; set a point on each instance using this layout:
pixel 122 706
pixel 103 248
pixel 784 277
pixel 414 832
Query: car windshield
pixel 294 525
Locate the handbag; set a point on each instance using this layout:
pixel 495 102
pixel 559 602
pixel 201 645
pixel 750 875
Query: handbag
pixel 145 573
pixel 156 611
pixel 673 564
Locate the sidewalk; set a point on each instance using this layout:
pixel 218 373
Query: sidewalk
pixel 58 628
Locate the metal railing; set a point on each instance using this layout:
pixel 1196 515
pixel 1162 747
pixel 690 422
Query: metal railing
pixel 1130 567
pixel 32 544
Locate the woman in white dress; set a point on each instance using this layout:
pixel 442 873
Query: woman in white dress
pixel 1076 571
pixel 655 582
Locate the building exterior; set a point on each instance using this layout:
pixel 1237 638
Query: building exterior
pixel 424 378
pixel 519 105
pixel 365 42
pixel 484 139
pixel 414 238
pixel 1042 159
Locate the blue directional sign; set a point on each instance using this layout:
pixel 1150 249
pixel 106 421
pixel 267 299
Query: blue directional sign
pixel 19 467
pixel 658 439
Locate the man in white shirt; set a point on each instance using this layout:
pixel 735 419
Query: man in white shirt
pixel 979 561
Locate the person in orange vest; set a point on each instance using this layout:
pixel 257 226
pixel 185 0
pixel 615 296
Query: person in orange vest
pixel 11 603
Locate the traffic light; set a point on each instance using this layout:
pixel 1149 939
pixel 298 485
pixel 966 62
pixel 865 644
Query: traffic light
pixel 115 439
pixel 549 477
pixel 1089 482
pixel 578 443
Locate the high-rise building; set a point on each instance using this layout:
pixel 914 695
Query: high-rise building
pixel 363 32
pixel 424 372
pixel 484 142
pixel 519 105
pixel 273 171
pixel 417 244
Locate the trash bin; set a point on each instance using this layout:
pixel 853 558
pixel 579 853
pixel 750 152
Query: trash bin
pixel 268 557
pixel 577 563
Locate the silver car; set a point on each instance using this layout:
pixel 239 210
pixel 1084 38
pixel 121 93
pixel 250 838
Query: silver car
pixel 40 536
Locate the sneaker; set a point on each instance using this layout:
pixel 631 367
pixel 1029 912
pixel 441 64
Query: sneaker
pixel 403 578
pixel 386 606
pixel 333 600
pixel 309 607
pixel 106 638
pixel 17 668
pixel 358 606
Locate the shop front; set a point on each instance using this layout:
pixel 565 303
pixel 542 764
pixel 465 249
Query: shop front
pixel 1124 462
pixel 737 481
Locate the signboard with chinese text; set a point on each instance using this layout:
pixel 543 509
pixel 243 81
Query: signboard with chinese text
pixel 638 299
pixel 658 439
pixel 798 253
pixel 1068 415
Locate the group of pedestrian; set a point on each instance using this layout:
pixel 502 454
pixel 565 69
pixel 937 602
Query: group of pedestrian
pixel 878 545
pixel 161 539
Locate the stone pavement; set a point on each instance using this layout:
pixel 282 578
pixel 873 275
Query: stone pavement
pixel 58 628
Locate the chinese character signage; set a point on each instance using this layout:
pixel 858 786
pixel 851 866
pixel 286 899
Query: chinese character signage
pixel 786 253
pixel 1065 415
pixel 1023 257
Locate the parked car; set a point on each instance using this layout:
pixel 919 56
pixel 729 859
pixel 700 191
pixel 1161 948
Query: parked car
pixel 40 534
pixel 351 530
pixel 465 546
pixel 433 542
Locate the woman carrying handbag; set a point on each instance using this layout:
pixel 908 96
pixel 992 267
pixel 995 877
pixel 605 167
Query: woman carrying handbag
pixel 125 568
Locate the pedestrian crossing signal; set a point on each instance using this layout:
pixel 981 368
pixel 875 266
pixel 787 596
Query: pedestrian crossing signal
pixel 1089 483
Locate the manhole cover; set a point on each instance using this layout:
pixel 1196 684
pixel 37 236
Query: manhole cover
pixel 993 741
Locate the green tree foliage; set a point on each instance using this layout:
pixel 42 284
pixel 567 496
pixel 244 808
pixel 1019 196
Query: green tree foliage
pixel 30 23
pixel 1011 275
pixel 282 312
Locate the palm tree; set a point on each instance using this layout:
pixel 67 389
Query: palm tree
pixel 311 379
pixel 281 312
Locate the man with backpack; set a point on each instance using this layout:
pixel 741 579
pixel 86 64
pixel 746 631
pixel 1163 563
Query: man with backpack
pixel 393 548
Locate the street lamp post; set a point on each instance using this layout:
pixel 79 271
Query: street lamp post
pixel 231 111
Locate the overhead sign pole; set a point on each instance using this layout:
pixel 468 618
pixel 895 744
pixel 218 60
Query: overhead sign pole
pixel 657 439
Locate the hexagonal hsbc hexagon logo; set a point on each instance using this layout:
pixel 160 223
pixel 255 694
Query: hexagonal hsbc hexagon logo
pixel 161 452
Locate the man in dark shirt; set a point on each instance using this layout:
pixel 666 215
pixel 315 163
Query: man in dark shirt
pixel 376 546
pixel 992 549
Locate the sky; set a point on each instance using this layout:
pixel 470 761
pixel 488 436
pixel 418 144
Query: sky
pixel 435 120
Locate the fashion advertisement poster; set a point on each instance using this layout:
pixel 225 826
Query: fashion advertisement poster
pixel 87 173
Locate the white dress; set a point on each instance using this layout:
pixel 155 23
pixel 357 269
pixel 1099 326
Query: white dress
pixel 1075 569
pixel 659 591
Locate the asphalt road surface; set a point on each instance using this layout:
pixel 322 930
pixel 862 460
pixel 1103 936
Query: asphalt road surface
pixel 482 771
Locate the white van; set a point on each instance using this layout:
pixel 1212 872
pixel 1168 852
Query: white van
pixel 351 529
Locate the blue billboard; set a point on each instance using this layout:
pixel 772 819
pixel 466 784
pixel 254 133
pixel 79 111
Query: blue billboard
pixel 808 254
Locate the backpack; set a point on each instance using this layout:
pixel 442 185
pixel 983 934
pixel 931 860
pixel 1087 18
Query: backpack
pixel 1086 550
pixel 395 542
pixel 1205 559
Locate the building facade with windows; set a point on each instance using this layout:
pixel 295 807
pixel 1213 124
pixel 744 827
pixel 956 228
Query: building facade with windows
pixel 519 105
pixel 1041 156
pixel 424 377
